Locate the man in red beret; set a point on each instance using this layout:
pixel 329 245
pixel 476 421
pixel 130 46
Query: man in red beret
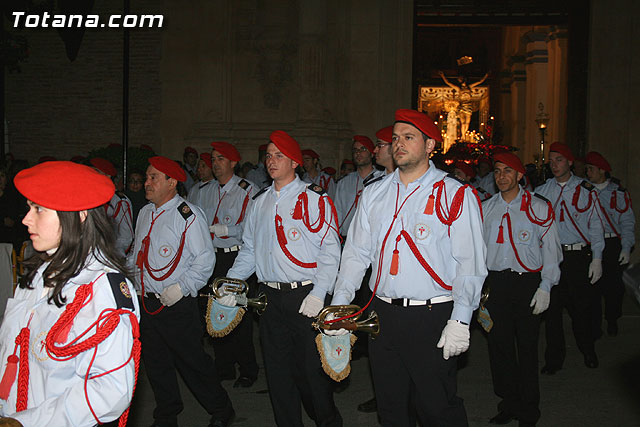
pixel 226 208
pixel 350 187
pixel 119 208
pixel 258 175
pixel 618 221
pixel 382 151
pixel 173 258
pixel 582 237
pixel 205 177
pixel 313 174
pixel 484 180
pixel 295 253
pixel 465 172
pixel 190 164
pixel 417 241
pixel 523 259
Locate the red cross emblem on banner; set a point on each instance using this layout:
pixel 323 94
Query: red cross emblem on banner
pixel 227 219
pixel 221 316
pixel 338 350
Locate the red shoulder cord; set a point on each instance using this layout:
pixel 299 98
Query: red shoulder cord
pixel 143 261
pixel 606 216
pixel 106 323
pixel 301 212
pixel 447 215
pixel 576 197
pixel 240 218
pixel 614 203
pixel 563 207
pixel 126 216
pixel 9 376
pixel 324 182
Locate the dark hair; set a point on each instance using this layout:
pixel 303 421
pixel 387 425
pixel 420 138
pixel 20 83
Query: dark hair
pixel 79 239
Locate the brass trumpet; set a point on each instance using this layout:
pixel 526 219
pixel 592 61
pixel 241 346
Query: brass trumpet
pixel 222 285
pixel 370 325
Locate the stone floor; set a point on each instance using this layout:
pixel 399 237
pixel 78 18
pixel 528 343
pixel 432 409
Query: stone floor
pixel 575 396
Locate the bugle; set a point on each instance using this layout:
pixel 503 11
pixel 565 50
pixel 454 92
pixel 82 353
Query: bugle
pixel 370 325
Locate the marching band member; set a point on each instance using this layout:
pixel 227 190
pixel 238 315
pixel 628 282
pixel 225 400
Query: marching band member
pixel 173 258
pixel 197 194
pixel 70 334
pixel 313 175
pixel 119 209
pixel 582 238
pixel 614 206
pixel 421 231
pixel 523 257
pixel 291 242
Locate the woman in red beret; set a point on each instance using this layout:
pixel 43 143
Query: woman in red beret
pixel 69 347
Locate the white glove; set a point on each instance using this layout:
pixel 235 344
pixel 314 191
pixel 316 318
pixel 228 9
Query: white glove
pixel 540 301
pixel 311 306
pixel 595 270
pixel 171 295
pixel 219 230
pixel 624 258
pixel 228 300
pixel 340 331
pixel 454 339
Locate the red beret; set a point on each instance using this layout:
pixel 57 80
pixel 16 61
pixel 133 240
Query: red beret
pixel 64 186
pixel 287 145
pixel 385 134
pixel 329 170
pixel 596 159
pixel 311 154
pixel 263 147
pixel 420 121
pixel 168 167
pixel 227 150
pixel 510 160
pixel 206 158
pixel 365 141
pixel 466 168
pixel 190 150
pixel 104 165
pixel 563 149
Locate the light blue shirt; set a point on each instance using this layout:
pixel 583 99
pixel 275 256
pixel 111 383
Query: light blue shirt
pixel 537 245
pixel 587 223
pixel 197 259
pixel 262 253
pixel 456 253
pixel 323 180
pixel 197 193
pixel 620 214
pixel 258 175
pixel 120 213
pixel 348 192
pixel 487 183
pixel 226 203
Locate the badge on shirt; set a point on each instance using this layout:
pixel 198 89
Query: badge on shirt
pixel 293 234
pixel 421 231
pixel 165 251
pixel 524 236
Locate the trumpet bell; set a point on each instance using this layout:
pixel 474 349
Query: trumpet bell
pixel 259 304
pixel 370 325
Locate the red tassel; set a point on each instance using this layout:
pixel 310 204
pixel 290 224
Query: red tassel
pixel 428 210
pixel 561 215
pixel 523 203
pixel 61 336
pixel 395 259
pixel 9 376
pixel 297 211
pixel 500 236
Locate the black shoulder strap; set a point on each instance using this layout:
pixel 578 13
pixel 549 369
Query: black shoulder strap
pixel 260 192
pixel 544 199
pixel 243 184
pixel 120 290
pixel 586 184
pixel 453 176
pixel 185 210
pixel 316 189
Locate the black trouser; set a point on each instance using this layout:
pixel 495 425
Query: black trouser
pixel 575 293
pixel 609 286
pixel 171 341
pixel 513 343
pixel 237 346
pixel 408 367
pixel 292 363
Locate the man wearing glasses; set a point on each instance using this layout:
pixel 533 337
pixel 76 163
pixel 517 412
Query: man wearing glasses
pixel 350 187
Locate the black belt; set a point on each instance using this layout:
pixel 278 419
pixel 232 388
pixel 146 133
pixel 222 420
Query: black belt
pixel 287 286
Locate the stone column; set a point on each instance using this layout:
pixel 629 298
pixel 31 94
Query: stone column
pixel 536 88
